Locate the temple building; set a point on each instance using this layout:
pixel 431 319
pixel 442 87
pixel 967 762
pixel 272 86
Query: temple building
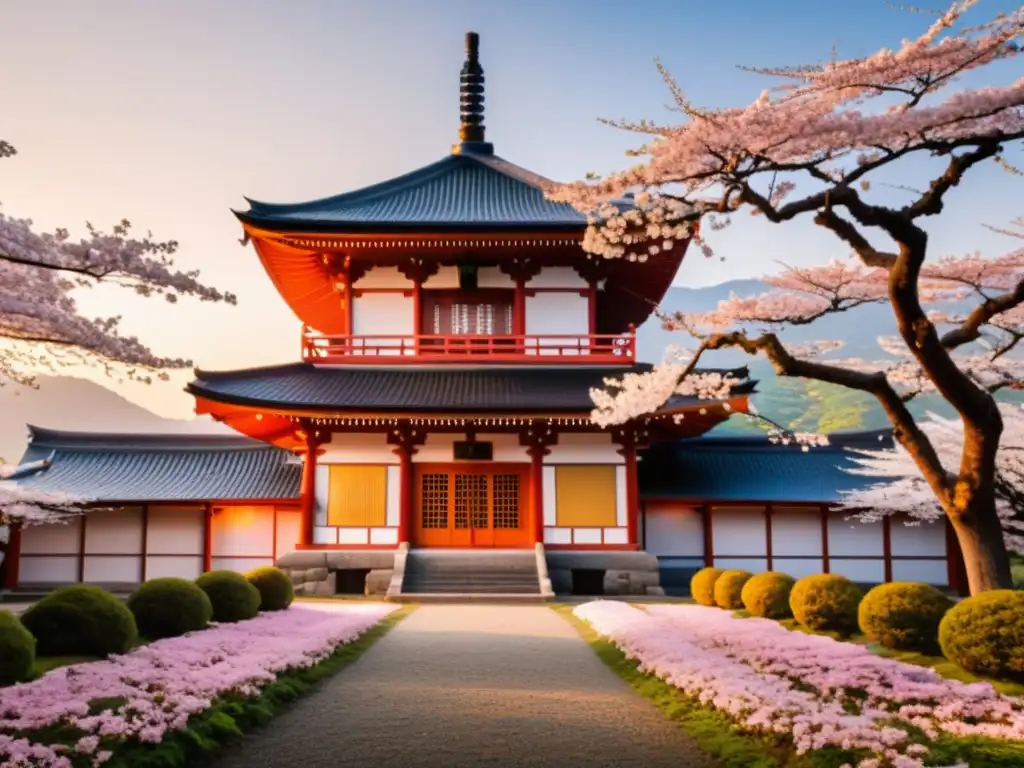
pixel 435 436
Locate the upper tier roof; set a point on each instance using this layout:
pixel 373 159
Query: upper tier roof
pixel 463 191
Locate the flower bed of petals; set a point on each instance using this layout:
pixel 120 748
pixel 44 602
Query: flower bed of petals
pixel 155 689
pixel 821 693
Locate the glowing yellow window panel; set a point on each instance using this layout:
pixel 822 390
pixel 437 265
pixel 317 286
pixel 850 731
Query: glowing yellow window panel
pixel 357 495
pixel 585 496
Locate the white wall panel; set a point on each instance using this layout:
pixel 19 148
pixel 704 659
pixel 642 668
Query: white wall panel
pixel 852 537
pixel 869 571
pixel 673 530
pixel 917 540
pixel 383 314
pixel 322 484
pixel 550 496
pixel 492 277
pixel 354 448
pixel 383 277
pixel 48 570
pixel 247 531
pixel 353 535
pixel 928 571
pixel 289 531
pixel 583 448
pixel 393 510
pixel 114 531
pixel 586 535
pixel 556 314
pixel 796 531
pixel 558 535
pixel 797 567
pixel 616 536
pixel 446 278
pixel 324 535
pixel 160 566
pixel 175 530
pixel 240 564
pixel 557 277
pixel 752 564
pixel 738 531
pixel 123 569
pixel 439 448
pixel 621 503
pixel 59 538
pixel 383 535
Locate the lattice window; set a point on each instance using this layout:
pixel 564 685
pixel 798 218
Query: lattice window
pixel 434 500
pixel 506 501
pixel 471 501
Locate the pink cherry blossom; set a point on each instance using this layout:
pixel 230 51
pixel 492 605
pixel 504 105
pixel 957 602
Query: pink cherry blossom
pixel 165 683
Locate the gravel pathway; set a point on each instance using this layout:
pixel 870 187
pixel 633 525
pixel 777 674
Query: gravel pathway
pixel 458 686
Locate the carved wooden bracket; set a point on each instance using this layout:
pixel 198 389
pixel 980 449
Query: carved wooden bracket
pixel 418 270
pixel 592 270
pixel 522 268
pixel 406 438
pixel 538 438
pixel 631 436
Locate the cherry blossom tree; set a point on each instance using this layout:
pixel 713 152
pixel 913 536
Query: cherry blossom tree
pixel 39 318
pixel 902 488
pixel 810 149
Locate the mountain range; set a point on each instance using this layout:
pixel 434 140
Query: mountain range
pixel 79 404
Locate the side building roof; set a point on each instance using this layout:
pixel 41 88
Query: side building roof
pixel 156 467
pixel 741 469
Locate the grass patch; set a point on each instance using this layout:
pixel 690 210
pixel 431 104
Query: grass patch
pixel 230 717
pixel 714 733
pixel 44 664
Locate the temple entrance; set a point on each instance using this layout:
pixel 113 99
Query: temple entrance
pixel 472 506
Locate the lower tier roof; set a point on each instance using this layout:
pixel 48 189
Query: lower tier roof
pixel 110 467
pixel 305 386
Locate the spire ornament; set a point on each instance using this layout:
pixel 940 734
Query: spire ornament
pixel 471 102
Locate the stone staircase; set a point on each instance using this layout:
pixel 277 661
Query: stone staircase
pixel 471 575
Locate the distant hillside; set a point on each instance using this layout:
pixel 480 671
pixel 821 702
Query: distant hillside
pixel 64 402
pixel 802 405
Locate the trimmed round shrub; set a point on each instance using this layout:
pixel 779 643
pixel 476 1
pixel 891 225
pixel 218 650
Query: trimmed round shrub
pixel 904 615
pixel 232 596
pixel 169 607
pixel 729 587
pixel 274 585
pixel 826 602
pixel 767 595
pixel 80 620
pixel 984 634
pixel 17 649
pixel 702 585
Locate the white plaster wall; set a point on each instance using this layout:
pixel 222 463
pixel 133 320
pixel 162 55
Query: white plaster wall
pixel 557 277
pixel 738 531
pixel 752 564
pixel 798 567
pixel 175 531
pixel 621 502
pixel 548 479
pixel 439 448
pixel 115 531
pixel 554 314
pixel 446 278
pixel 383 277
pixel 582 448
pixel 52 539
pixel 243 531
pixel 558 535
pixel 118 569
pixel 493 277
pixel 289 531
pixel 48 570
pixel 928 571
pixel 393 513
pixel 239 564
pixel 160 566
pixel 852 537
pixel 921 540
pixel 355 448
pixel 870 571
pixel 673 530
pixel 796 531
pixel 383 314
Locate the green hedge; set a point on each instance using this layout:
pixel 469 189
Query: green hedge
pixel 169 607
pixel 80 620
pixel 826 602
pixel 702 585
pixel 984 634
pixel 232 596
pixel 904 615
pixel 275 587
pixel 767 595
pixel 729 588
pixel 17 649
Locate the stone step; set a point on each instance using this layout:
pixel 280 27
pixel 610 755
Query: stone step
pixel 465 597
pixel 475 583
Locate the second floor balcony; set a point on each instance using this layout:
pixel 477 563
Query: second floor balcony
pixel 421 349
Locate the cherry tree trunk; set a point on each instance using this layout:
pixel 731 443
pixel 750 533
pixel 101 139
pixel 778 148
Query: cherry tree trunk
pixel 980 536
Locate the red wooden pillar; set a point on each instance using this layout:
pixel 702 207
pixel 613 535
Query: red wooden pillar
pixel 628 440
pixel 825 512
pixel 537 453
pixel 307 491
pixel 406 486
pixel 208 538
pixel 519 308
pixel 887 547
pixel 12 558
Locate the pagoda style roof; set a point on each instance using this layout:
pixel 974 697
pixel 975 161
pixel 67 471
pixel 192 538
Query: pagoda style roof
pixel 307 387
pixel 741 469
pixel 462 192
pixel 122 467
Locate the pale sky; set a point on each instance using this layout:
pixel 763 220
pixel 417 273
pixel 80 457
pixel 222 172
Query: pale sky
pixel 168 113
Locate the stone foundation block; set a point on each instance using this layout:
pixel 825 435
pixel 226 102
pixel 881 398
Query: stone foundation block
pixel 378 580
pixel 326 586
pixel 302 560
pixel 370 560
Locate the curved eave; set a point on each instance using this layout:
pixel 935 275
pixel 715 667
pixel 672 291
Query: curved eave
pixel 322 227
pixel 633 290
pixel 676 423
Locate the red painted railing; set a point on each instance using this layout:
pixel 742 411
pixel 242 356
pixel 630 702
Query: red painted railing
pixel 537 349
